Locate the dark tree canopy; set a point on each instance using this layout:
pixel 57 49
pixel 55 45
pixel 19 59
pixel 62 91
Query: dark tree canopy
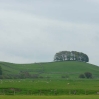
pixel 88 74
pixel 71 55
pixel 0 70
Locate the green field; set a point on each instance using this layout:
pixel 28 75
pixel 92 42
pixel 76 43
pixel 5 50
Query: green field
pixel 49 87
pixel 51 97
pixel 49 81
pixel 53 70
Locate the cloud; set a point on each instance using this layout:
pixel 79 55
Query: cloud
pixel 32 33
pixel 93 1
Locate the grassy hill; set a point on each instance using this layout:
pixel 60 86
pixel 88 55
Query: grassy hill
pixel 54 70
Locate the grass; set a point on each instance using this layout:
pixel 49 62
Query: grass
pixel 50 97
pixel 54 70
pixel 52 83
pixel 49 87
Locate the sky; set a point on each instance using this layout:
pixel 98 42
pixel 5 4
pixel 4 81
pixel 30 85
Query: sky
pixel 34 30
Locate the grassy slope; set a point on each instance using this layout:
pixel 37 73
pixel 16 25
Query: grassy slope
pixel 52 69
pixel 50 97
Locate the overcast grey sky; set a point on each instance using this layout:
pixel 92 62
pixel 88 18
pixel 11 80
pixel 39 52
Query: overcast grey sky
pixel 34 30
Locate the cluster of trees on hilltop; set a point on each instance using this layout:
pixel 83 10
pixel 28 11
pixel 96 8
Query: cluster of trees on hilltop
pixel 71 55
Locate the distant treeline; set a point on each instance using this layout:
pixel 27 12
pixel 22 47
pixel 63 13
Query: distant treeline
pixel 71 55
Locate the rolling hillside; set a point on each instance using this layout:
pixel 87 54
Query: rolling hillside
pixel 70 69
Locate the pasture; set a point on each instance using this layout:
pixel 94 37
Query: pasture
pixel 51 97
pixel 52 70
pixel 52 79
pixel 48 87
